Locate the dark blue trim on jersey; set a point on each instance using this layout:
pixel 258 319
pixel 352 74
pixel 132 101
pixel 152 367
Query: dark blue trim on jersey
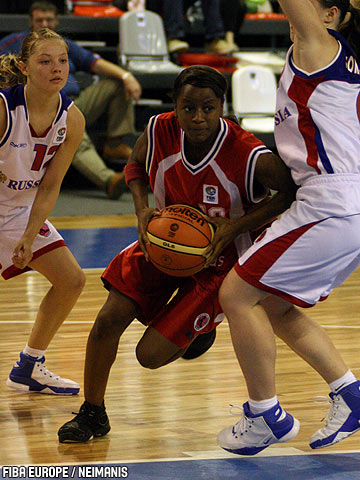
pixel 151 143
pixel 15 96
pixel 321 151
pixel 224 129
pixel 65 103
pixel 336 70
pixel 9 126
pixel 254 154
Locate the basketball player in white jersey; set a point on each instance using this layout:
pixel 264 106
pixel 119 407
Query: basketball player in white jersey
pixel 315 245
pixel 193 156
pixel 40 130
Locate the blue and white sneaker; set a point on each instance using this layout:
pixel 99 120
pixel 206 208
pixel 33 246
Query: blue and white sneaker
pixel 254 433
pixel 29 374
pixel 343 417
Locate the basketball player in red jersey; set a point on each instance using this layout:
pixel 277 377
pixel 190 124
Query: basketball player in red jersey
pixel 193 156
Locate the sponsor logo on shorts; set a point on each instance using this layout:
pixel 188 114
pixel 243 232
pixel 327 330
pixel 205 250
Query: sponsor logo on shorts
pixel 44 231
pixel 201 321
pixel 61 132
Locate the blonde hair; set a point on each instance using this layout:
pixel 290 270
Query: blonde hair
pixel 10 73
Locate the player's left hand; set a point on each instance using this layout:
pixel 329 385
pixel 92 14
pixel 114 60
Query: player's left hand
pixel 226 231
pixel 22 254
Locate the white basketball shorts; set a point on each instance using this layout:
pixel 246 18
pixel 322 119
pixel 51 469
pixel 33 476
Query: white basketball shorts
pixel 12 227
pixel 305 254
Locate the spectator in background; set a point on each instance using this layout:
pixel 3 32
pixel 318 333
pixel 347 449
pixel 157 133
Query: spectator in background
pixel 112 95
pixel 232 13
pixel 173 16
pixel 22 6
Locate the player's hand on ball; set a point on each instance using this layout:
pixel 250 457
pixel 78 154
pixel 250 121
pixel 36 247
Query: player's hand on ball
pixel 144 217
pixel 226 231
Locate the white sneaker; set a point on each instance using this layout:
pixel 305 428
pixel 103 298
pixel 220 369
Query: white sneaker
pixel 29 374
pixel 343 417
pixel 254 433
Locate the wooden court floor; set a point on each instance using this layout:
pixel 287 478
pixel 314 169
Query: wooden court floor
pixel 173 412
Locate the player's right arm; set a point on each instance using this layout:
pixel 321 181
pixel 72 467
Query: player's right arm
pixel 139 188
pixel 314 47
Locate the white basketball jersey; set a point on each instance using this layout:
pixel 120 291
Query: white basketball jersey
pixel 24 156
pixel 317 120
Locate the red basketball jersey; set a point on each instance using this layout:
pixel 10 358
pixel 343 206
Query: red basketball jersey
pixel 221 184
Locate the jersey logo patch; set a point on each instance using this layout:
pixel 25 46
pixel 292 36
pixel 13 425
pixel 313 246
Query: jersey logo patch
pixel 60 135
pixel 210 194
pixel 201 321
pixel 3 177
pixel 44 231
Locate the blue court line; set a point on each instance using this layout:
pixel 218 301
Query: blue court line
pixel 339 466
pixel 96 247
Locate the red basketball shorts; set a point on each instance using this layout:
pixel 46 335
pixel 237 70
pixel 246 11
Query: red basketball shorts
pixel 193 310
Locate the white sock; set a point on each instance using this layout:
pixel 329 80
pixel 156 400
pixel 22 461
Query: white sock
pixel 259 407
pixel 33 352
pixel 343 381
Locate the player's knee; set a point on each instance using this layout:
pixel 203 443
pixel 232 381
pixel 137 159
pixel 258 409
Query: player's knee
pixel 75 282
pixel 147 358
pixel 108 325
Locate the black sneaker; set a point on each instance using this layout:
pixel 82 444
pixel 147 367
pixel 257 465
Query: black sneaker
pixel 200 345
pixel 91 421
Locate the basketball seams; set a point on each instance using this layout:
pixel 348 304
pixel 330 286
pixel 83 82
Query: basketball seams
pixel 180 248
pixel 163 217
pixel 178 239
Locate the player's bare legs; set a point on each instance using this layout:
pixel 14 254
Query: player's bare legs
pixel 30 374
pixel 307 338
pixel 67 284
pixel 153 351
pixel 240 302
pixel 112 320
pixel 254 344
pixel 271 424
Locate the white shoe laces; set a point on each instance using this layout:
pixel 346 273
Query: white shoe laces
pixel 244 424
pixel 44 371
pixel 334 406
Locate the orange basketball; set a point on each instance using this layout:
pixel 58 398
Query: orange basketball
pixel 178 239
